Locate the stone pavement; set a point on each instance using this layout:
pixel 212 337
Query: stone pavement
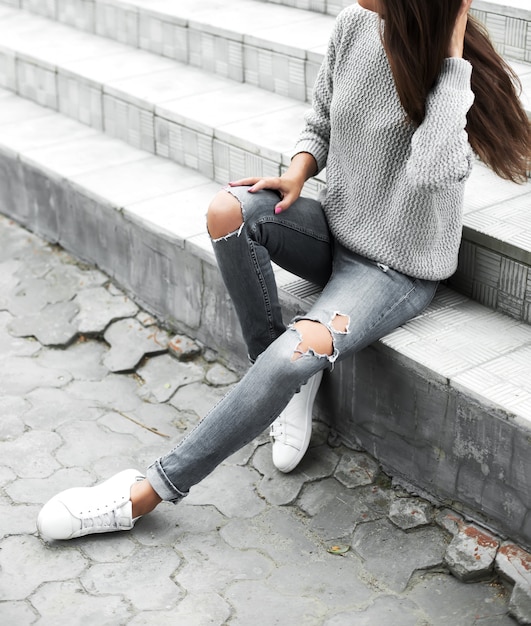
pixel 91 384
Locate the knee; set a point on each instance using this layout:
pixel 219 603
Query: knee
pixel 313 336
pixel 224 215
pixel 316 337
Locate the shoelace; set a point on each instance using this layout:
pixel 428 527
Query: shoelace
pixel 104 520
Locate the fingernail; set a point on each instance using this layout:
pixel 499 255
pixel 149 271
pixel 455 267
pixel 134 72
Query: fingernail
pixel 278 210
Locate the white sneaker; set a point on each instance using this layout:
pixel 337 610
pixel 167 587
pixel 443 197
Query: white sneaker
pixel 107 507
pixel 292 429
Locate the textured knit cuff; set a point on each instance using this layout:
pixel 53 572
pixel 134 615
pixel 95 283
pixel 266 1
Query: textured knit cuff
pixel 455 74
pixel 315 148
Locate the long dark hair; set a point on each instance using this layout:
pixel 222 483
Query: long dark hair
pixel 416 34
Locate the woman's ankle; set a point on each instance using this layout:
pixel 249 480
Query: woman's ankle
pixel 144 498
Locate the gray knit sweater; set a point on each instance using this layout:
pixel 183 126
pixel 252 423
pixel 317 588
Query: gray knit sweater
pixel 394 192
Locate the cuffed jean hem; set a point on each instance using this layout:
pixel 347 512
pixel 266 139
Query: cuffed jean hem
pixel 162 485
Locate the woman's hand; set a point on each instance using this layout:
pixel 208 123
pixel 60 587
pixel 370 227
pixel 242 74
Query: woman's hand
pixel 455 47
pixel 288 189
pixel 289 185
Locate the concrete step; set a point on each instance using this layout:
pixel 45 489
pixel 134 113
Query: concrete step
pixel 508 22
pixel 274 45
pixel 226 130
pixel 453 416
pixel 242 39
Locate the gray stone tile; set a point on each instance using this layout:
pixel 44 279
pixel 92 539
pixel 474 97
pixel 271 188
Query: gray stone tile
pixel 51 407
pixel 198 397
pixel 29 297
pixel 40 490
pixel 15 346
pixel 12 424
pixel 26 563
pixel 231 490
pixel 130 342
pixel 407 513
pixel 21 375
pixel 335 581
pixel 277 488
pixel 356 469
pixel 384 610
pixel 471 554
pixel 62 602
pixel 244 455
pixel 52 326
pixel 277 532
pixel 339 517
pixel 87 442
pixel 393 555
pixel 514 563
pixel 171 524
pixel 98 308
pixel 246 596
pixel 149 423
pixel 194 610
pixel 147 587
pixel 320 495
pixel 113 392
pixel 8 280
pixel 445 600
pixel 111 548
pixel 211 565
pixel 163 375
pixel 520 604
pixel 218 375
pixel 18 613
pixel 83 360
pixel 196 519
pixel 31 454
pixel 17 520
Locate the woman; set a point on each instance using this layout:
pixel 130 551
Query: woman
pixel 389 121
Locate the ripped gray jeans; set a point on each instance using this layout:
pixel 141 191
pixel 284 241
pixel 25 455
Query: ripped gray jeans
pixel 372 298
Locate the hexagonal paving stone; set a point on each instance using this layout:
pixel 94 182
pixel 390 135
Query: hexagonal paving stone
pixel 198 397
pixel 445 600
pixel 52 326
pixel 246 595
pixel 8 281
pixel 211 565
pixel 31 454
pixel 163 375
pixel 83 359
pixel 26 563
pixel 219 375
pixel 20 375
pixel 393 556
pixel 98 308
pixel 356 469
pixel 206 609
pixel 68 603
pixel 144 579
pixel 407 513
pixel 130 342
pixel 230 490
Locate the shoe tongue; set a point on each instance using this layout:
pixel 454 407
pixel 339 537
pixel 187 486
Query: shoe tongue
pixel 124 513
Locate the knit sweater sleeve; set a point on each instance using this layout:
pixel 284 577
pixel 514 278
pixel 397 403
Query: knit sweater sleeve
pixel 315 136
pixel 440 152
